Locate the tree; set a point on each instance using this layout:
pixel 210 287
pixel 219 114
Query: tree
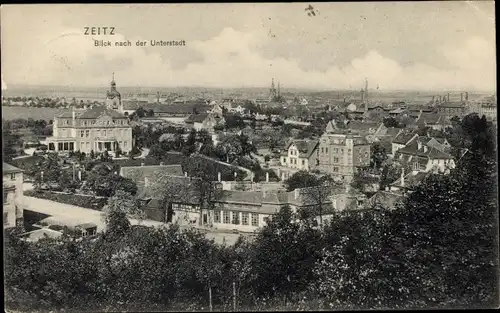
pixel 150 113
pixel 125 204
pixel 301 179
pixel 317 196
pixel 140 112
pixel 391 122
pixel 378 155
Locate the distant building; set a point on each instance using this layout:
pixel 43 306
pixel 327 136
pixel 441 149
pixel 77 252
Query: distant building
pixel 205 121
pixel 401 140
pixel 12 195
pixel 340 152
pixel 93 129
pixel 424 158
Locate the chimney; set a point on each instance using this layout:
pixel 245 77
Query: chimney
pixel 296 193
pixel 403 177
pixel 79 175
pixel 466 96
pixel 185 174
pixel 362 92
pixel 461 96
pixel 267 177
pixel 219 177
pixel 161 163
pixel 448 97
pixel 142 164
pixel 157 97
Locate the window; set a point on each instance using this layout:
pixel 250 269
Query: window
pixel 236 218
pixel 5 218
pixel 84 123
pixel 255 219
pixel 124 144
pixel 336 169
pixel 225 216
pixel 284 160
pixel 336 150
pixel 216 216
pixel 303 162
pixel 244 218
pixel 335 160
pixel 416 166
pixel 104 133
pixel 82 133
pixel 13 176
pixel 5 195
pixel 326 150
pixel 87 144
pixel 98 132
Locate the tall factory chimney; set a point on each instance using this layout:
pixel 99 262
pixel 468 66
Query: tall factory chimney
pixel 448 97
pixel 158 97
pixel 461 96
pixel 466 96
pixel 362 97
pixel 366 89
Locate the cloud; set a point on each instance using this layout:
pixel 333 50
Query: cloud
pixel 235 59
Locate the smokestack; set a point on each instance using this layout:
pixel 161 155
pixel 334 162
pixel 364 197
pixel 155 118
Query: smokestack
pixel 157 97
pixel 461 96
pixel 219 176
pixel 466 96
pixel 448 97
pixel 402 177
pixel 267 177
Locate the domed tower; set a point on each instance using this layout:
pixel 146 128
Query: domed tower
pixel 113 97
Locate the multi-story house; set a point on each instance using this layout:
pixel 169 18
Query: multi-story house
pixel 401 140
pixel 424 158
pixel 299 155
pixel 93 129
pixel 340 152
pixel 486 106
pixel 12 195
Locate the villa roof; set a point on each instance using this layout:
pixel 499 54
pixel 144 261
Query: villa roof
pixel 97 111
pixel 424 151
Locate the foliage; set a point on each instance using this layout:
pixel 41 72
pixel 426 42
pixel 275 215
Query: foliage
pixel 84 201
pixel 301 179
pixel 391 122
pixel 107 184
pixel 378 155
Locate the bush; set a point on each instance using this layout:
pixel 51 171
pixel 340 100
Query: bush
pixel 89 202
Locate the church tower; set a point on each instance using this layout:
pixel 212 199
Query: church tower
pixel 113 98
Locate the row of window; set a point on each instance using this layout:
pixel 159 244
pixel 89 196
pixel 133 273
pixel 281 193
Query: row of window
pixel 245 218
pixel 103 132
pixel 109 123
pixel 335 150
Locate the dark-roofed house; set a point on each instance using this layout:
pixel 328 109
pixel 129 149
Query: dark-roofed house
pixel 387 134
pixel 402 139
pixel 432 120
pixel 12 195
pixel 299 155
pixel 362 128
pixel 424 158
pixel 408 182
pixel 386 199
pixel 205 121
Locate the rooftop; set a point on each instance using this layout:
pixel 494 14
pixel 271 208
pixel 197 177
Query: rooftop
pixel 8 169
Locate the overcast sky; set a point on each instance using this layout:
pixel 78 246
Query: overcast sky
pixel 422 46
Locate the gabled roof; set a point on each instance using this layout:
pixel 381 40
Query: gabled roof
pixel 385 199
pixel 8 169
pixel 411 180
pixel 305 147
pixel 404 138
pixel 358 126
pixel 427 152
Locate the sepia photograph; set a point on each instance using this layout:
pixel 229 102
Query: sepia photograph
pixel 213 157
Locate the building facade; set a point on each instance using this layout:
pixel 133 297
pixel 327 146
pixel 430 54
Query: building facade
pixel 12 195
pixel 340 153
pixel 93 129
